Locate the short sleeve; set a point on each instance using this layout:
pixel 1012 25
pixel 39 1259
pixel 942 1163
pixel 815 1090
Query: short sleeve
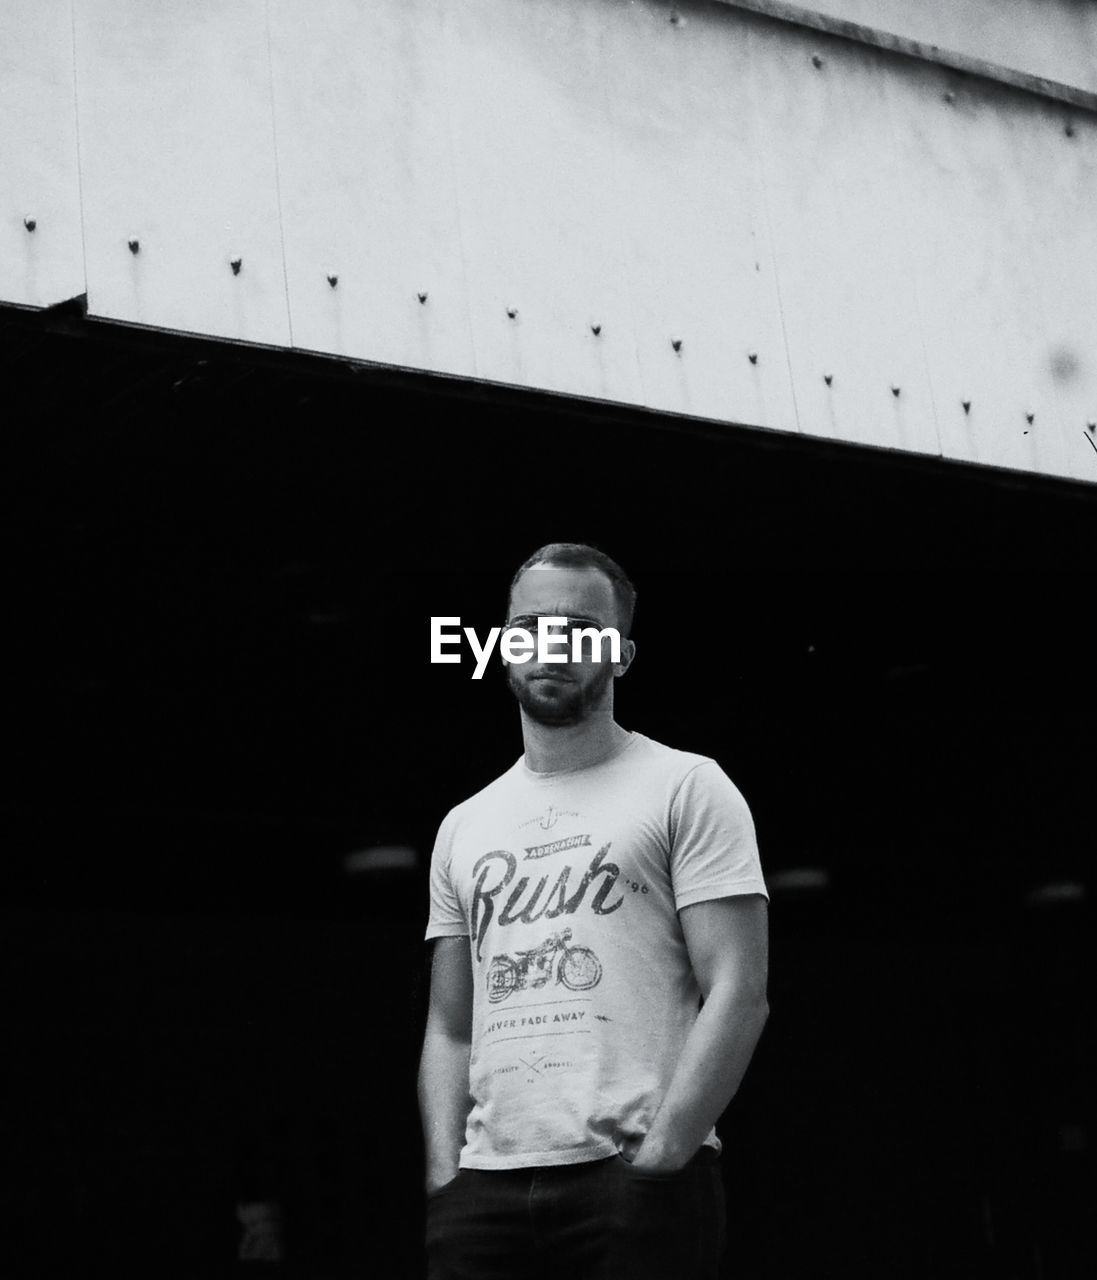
pixel 713 848
pixel 447 920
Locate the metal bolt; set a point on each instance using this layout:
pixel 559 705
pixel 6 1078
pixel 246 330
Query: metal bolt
pixel 29 223
pixel 828 378
pixel 676 343
pixel 1030 418
pixel 895 390
pixel 134 246
pixel 816 61
pixel 596 329
pixel 236 264
pixel 752 356
pixel 333 281
pixel 967 405
pixel 512 312
pixel 421 296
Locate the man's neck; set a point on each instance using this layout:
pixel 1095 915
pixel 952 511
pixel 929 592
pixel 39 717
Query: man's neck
pixel 551 748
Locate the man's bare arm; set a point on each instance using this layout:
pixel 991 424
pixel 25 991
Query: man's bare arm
pixel 444 1101
pixel 727 940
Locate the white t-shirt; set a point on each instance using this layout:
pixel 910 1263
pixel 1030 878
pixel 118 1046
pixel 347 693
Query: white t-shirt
pixel 568 886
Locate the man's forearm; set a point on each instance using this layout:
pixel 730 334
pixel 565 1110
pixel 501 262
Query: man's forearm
pixel 713 1062
pixel 443 1103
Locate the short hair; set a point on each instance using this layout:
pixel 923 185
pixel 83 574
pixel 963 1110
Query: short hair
pixel 578 555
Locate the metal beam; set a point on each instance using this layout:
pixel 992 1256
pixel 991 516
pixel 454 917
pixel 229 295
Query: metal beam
pixel 803 16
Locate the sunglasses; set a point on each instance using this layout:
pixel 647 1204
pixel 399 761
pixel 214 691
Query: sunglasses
pixel 528 622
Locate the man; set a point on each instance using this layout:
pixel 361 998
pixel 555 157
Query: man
pixel 583 906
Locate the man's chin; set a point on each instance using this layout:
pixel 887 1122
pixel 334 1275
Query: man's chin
pixel 550 702
pixel 556 702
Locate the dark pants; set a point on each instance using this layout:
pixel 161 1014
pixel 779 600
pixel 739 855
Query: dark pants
pixel 595 1221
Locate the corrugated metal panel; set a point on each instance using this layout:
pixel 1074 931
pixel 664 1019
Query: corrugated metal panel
pixel 177 156
pixel 367 181
pixel 993 196
pixel 39 180
pixel 1066 267
pixel 834 194
pixel 689 223
pixel 533 141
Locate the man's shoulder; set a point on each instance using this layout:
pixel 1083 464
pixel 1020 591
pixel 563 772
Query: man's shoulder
pixel 684 777
pixel 670 761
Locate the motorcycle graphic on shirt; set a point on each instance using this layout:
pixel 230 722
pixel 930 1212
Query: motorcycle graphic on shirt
pixel 576 968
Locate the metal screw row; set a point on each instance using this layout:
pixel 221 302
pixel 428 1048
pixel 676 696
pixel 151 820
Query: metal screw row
pixel 237 263
pixel 1030 416
pixel 896 390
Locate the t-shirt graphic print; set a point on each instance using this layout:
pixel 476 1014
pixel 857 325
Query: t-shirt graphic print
pixel 567 886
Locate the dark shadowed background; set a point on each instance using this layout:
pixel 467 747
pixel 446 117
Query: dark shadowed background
pixel 219 570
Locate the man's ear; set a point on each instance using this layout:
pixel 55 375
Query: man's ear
pixel 628 652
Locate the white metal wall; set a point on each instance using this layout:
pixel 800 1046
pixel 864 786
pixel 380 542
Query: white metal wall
pixel 690 207
pixel 41 252
pixel 177 158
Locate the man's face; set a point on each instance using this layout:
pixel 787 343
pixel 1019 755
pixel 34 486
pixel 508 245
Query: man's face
pixel 564 693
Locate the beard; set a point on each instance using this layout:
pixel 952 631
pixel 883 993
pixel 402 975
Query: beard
pixel 558 704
